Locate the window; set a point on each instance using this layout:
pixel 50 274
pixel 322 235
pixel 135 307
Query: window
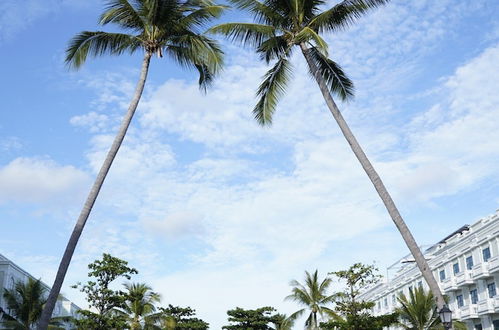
pixel 455 268
pixel 491 288
pixel 410 289
pixel 478 327
pixel 469 262
pixel 460 300
pixel 385 301
pixel 394 299
pixel 442 275
pixel 420 284
pixel 474 296
pixel 486 254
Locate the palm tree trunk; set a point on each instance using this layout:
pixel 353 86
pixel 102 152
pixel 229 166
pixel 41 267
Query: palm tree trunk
pixel 92 196
pixel 376 180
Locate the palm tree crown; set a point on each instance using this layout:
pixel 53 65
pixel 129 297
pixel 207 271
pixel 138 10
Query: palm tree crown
pixel 282 24
pixel 314 296
pixel 158 27
pixel 25 301
pixel 139 305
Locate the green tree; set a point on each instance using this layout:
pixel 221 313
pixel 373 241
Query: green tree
pixel 101 297
pixel 315 297
pixel 162 27
pixel 139 306
pixel 25 303
pixel 282 25
pixel 175 317
pixel 252 319
pixel 355 312
pixel 419 312
pixel 283 322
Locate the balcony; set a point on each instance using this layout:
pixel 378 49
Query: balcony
pixel 481 271
pixel 494 264
pixel 464 278
pixel 486 306
pixel 449 284
pixel 468 312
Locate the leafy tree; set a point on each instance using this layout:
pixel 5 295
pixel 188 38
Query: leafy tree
pixel 25 302
pixel 101 297
pixel 314 296
pixel 355 312
pixel 419 312
pixel 252 319
pixel 279 27
pixel 161 27
pixel 138 306
pixel 175 317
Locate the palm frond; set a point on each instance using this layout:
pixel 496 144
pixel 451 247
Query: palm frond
pixel 123 13
pixel 343 14
pixel 273 48
pixel 333 74
pixel 308 35
pixel 261 12
pixel 98 43
pixel 270 90
pixel 201 16
pixel 248 33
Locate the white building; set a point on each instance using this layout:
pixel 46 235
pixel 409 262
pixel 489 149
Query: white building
pixel 466 265
pixel 10 274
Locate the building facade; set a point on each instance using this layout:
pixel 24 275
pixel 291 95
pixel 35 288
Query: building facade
pixel 10 274
pixel 466 266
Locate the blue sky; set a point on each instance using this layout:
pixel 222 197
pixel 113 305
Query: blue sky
pixel 216 212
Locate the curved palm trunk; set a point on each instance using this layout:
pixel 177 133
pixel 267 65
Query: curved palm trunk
pixel 92 196
pixel 378 184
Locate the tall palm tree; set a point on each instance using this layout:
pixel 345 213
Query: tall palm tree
pixel 139 305
pixel 418 312
pixel 314 296
pixel 161 27
pixel 282 25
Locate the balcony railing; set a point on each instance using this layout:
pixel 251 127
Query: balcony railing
pixel 494 264
pixel 486 306
pixel 465 277
pixel 449 284
pixel 468 312
pixel 481 270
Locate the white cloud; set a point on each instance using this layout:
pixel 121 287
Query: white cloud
pixel 36 180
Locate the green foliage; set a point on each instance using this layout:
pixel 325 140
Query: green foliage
pixel 418 311
pixel 279 26
pixel 175 317
pixel 101 297
pixel 138 307
pixel 314 296
pixel 25 302
pixel 157 27
pixel 355 313
pixel 252 319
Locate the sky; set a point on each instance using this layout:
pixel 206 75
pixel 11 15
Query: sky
pixel 217 212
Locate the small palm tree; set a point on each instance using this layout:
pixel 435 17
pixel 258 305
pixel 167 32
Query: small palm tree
pixel 139 305
pixel 161 27
pixel 283 322
pixel 25 302
pixel 419 312
pixel 314 296
pixel 281 26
